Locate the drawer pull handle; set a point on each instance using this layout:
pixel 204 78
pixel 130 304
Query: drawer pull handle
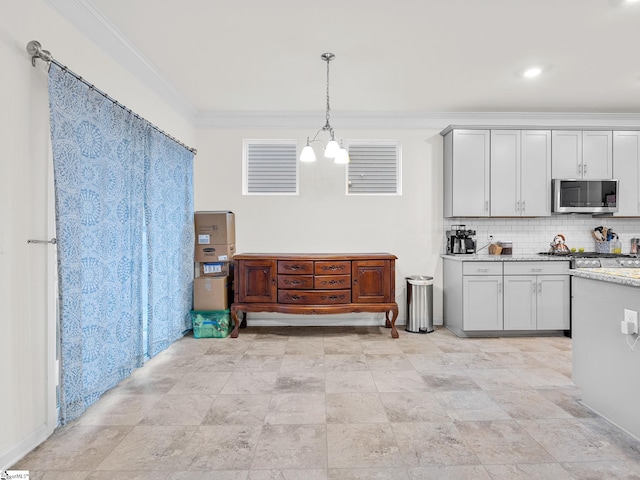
pixel 334 267
pixel 536 269
pixel 483 269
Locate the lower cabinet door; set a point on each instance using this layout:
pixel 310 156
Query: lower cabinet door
pixel 553 302
pixel 520 293
pixel 482 302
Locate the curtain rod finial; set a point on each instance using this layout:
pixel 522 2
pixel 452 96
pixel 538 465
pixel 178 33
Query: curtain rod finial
pixel 34 48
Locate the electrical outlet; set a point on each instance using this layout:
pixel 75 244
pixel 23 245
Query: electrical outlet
pixel 629 325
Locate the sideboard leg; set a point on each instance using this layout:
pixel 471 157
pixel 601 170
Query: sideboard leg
pixel 394 332
pixel 243 323
pixel 236 323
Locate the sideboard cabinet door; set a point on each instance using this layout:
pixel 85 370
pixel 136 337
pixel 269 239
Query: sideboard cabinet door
pixel 257 281
pixel 371 281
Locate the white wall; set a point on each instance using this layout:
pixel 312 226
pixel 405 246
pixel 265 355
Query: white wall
pixel 322 218
pixel 24 184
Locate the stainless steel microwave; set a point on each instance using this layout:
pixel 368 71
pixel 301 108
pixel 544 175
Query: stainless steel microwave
pixel 584 196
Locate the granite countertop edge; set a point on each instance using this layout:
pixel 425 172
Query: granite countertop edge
pixel 594 274
pixel 526 257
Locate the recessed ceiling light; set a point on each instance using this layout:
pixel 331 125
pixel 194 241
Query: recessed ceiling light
pixel 532 72
pixel 631 1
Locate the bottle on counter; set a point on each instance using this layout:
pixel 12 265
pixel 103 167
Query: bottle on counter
pixel 616 246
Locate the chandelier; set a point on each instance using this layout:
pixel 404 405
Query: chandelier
pixel 332 149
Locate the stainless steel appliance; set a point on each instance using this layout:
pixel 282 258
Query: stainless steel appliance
pixel 584 196
pixel 460 240
pixel 598 260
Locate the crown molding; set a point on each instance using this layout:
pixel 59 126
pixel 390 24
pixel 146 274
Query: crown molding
pixel 90 20
pixel 419 120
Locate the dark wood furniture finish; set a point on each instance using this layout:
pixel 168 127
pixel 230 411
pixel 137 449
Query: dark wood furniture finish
pixel 315 284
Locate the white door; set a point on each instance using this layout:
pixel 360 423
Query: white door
pixel 520 302
pixel 482 302
pixel 626 169
pixel 470 175
pixel 535 173
pixel 566 154
pixel 597 156
pixel 505 173
pixel 553 302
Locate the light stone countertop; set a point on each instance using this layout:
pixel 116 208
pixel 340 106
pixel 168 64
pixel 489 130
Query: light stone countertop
pixel 531 257
pixel 623 276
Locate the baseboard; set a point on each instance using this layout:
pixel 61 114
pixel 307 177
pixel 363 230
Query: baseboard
pixel 17 452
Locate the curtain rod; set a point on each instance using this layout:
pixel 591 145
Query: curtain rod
pixel 34 48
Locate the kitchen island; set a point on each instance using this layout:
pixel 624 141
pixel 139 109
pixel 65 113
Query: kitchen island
pixel 604 365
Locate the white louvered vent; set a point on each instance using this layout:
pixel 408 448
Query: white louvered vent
pixel 270 167
pixel 374 168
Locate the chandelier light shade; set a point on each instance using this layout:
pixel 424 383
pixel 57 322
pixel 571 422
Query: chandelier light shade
pixel 333 149
pixel 308 155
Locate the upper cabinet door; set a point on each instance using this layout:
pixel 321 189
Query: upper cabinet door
pixel 535 173
pixel 520 173
pixel 505 173
pixel 466 172
pixel 566 154
pixel 626 168
pixel 597 155
pixel 584 154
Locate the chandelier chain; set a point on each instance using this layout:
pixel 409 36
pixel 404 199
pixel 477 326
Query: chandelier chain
pixel 328 126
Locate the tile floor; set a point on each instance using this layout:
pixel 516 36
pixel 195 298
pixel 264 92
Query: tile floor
pixel 343 403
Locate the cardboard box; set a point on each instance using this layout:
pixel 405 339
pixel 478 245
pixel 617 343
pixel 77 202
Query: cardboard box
pixel 214 269
pixel 215 228
pixel 214 253
pixel 211 293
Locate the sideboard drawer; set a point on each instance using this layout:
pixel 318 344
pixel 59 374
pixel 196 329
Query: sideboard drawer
pixel 295 281
pixel 333 282
pixel 314 297
pixel 295 266
pixel 332 267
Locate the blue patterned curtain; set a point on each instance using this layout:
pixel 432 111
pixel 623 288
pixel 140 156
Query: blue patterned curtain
pixel 170 239
pixel 103 156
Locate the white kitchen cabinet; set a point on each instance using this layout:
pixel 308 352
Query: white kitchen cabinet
pixel 482 307
pixel 499 297
pixel 520 173
pixel 582 154
pixel 553 302
pixel 626 168
pixel 536 296
pixel 519 302
pixel 466 173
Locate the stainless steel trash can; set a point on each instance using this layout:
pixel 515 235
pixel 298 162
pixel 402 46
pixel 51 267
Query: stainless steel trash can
pixel 419 304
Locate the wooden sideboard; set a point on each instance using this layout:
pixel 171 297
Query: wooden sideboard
pixel 314 284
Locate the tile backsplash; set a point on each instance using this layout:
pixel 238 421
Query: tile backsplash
pixel 533 235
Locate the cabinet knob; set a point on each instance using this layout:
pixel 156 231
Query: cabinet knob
pixel 523 207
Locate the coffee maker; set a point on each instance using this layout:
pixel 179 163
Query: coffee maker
pixel 460 240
